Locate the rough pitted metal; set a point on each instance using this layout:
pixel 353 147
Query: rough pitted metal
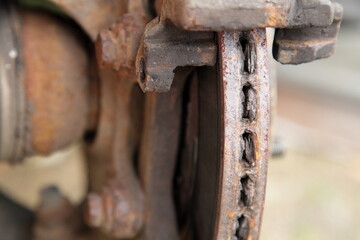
pixel 245 139
pixel 217 15
pixel 117 46
pixel 302 45
pixel 315 21
pixel 117 204
pixel 165 47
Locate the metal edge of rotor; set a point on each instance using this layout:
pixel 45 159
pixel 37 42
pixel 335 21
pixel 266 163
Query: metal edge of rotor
pixel 232 81
pixel 12 93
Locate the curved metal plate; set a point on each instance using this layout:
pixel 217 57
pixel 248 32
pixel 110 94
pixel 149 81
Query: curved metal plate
pixel 11 88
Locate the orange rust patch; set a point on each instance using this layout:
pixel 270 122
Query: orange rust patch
pixel 230 214
pixel 275 17
pixel 56 83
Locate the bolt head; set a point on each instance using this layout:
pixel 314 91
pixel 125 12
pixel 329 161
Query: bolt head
pixel 94 214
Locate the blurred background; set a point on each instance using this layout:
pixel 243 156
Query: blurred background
pixel 313 188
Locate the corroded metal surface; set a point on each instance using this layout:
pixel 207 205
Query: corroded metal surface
pixel 99 149
pixel 158 154
pixel 116 206
pixel 56 83
pixel 245 90
pixel 216 15
pixel 47 97
pixel 223 164
pixel 117 46
pixel 164 47
pixel 219 142
pixel 302 45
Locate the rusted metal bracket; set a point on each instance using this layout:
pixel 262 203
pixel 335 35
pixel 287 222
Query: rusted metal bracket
pixel 117 46
pixel 220 15
pixel 116 205
pixel 157 160
pixel 139 204
pixel 302 45
pixel 309 32
pixel 165 47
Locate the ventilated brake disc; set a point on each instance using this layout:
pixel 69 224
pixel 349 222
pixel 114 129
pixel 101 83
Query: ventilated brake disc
pixel 223 174
pixel 188 160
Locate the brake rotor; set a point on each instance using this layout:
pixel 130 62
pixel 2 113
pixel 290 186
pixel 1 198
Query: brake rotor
pixel 222 177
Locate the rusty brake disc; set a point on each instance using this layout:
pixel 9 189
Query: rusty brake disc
pixel 221 180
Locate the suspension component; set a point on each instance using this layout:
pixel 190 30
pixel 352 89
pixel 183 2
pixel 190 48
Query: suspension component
pixel 116 202
pixel 117 46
